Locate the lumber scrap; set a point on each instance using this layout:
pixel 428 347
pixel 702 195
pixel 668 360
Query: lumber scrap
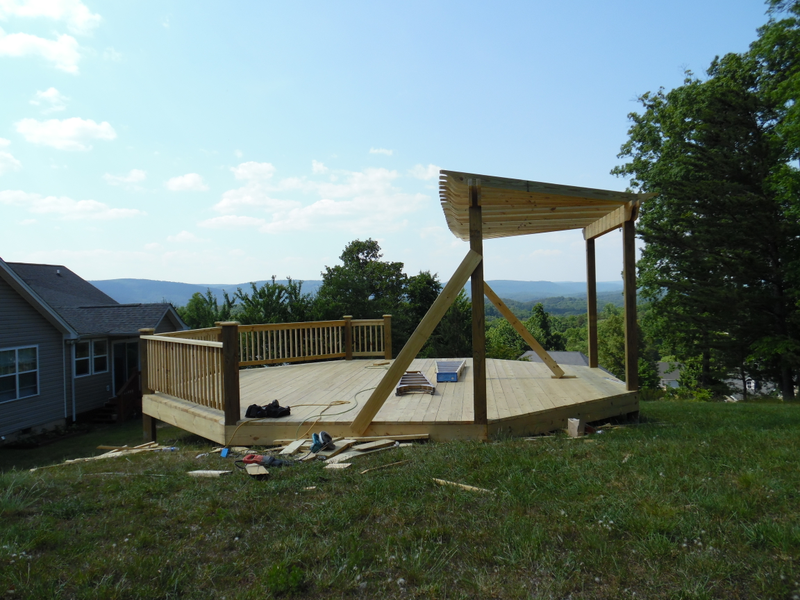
pixel 341 465
pixel 373 438
pixel 463 486
pixel 293 447
pixel 393 464
pixel 374 445
pixel 207 473
pixel 350 454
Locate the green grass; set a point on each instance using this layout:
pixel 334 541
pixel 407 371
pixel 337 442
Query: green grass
pixel 699 500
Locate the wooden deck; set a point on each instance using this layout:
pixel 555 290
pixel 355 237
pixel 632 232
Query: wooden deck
pixel 522 398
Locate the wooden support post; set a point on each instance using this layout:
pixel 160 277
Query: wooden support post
pixel 415 343
pixel 148 422
pixel 478 316
pixel 348 337
pixel 557 371
pixel 387 337
pixel 230 371
pixel 631 327
pixel 591 302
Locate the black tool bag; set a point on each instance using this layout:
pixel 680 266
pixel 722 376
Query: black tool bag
pixel 273 410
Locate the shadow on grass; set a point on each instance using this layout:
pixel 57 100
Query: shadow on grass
pixel 84 439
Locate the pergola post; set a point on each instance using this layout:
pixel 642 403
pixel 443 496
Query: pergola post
pixel 591 302
pixel 478 317
pixel 631 328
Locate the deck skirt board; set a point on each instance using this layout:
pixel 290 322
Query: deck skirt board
pixel 522 398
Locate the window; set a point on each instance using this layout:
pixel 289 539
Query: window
pixel 99 356
pixel 19 373
pixel 91 357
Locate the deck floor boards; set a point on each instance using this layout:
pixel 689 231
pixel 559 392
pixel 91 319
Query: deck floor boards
pixel 521 397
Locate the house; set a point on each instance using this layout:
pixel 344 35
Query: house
pixel 66 348
pixel 669 375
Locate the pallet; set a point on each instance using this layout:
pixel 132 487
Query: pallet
pixel 449 370
pixel 414 381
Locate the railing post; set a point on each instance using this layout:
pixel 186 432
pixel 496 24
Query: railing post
pixel 348 337
pixel 387 337
pixel 230 371
pixel 148 422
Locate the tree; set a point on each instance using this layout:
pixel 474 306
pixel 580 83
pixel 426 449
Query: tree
pixel 274 302
pixel 720 264
pixel 362 286
pixel 203 310
pixel 541 329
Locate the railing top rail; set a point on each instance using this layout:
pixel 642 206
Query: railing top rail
pixel 188 342
pixel 188 332
pixel 299 325
pixel 367 321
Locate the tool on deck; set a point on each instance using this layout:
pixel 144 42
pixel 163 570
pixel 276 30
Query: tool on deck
pixel 414 381
pixel 449 370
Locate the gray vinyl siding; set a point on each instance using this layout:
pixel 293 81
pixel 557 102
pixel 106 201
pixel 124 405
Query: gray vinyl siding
pixel 22 325
pixel 92 391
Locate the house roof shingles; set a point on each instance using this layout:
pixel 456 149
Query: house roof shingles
pixel 88 310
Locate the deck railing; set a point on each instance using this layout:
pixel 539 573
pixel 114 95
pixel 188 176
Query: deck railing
pixel 202 366
pixel 192 370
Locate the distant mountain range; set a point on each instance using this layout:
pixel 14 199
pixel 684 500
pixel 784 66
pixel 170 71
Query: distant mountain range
pixel 134 291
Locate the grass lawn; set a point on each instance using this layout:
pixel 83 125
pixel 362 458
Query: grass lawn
pixel 699 500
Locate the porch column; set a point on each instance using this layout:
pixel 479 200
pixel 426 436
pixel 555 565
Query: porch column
pixel 148 422
pixel 631 328
pixel 478 317
pixel 591 302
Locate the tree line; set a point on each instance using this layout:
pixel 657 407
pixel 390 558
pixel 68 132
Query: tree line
pixel 366 287
pixel 721 262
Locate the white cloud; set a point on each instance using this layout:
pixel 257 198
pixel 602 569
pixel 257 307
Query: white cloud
pixel 381 151
pixel 184 236
pixel 152 246
pixel 231 222
pixel 76 14
pixel 425 173
pixel 318 167
pixel 51 100
pixel 112 55
pixel 69 134
pixel 356 202
pixel 62 52
pixel 191 182
pixel 253 171
pixel 238 153
pixel 8 163
pixel 4 142
pixel 66 208
pixel 132 178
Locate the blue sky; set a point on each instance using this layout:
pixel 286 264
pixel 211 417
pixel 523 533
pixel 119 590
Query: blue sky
pixel 224 142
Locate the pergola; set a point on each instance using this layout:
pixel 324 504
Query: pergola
pixel 480 207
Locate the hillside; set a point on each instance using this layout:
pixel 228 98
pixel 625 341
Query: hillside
pixel 132 291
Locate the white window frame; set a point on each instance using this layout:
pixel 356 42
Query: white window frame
pixel 90 358
pixel 96 355
pixel 17 372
